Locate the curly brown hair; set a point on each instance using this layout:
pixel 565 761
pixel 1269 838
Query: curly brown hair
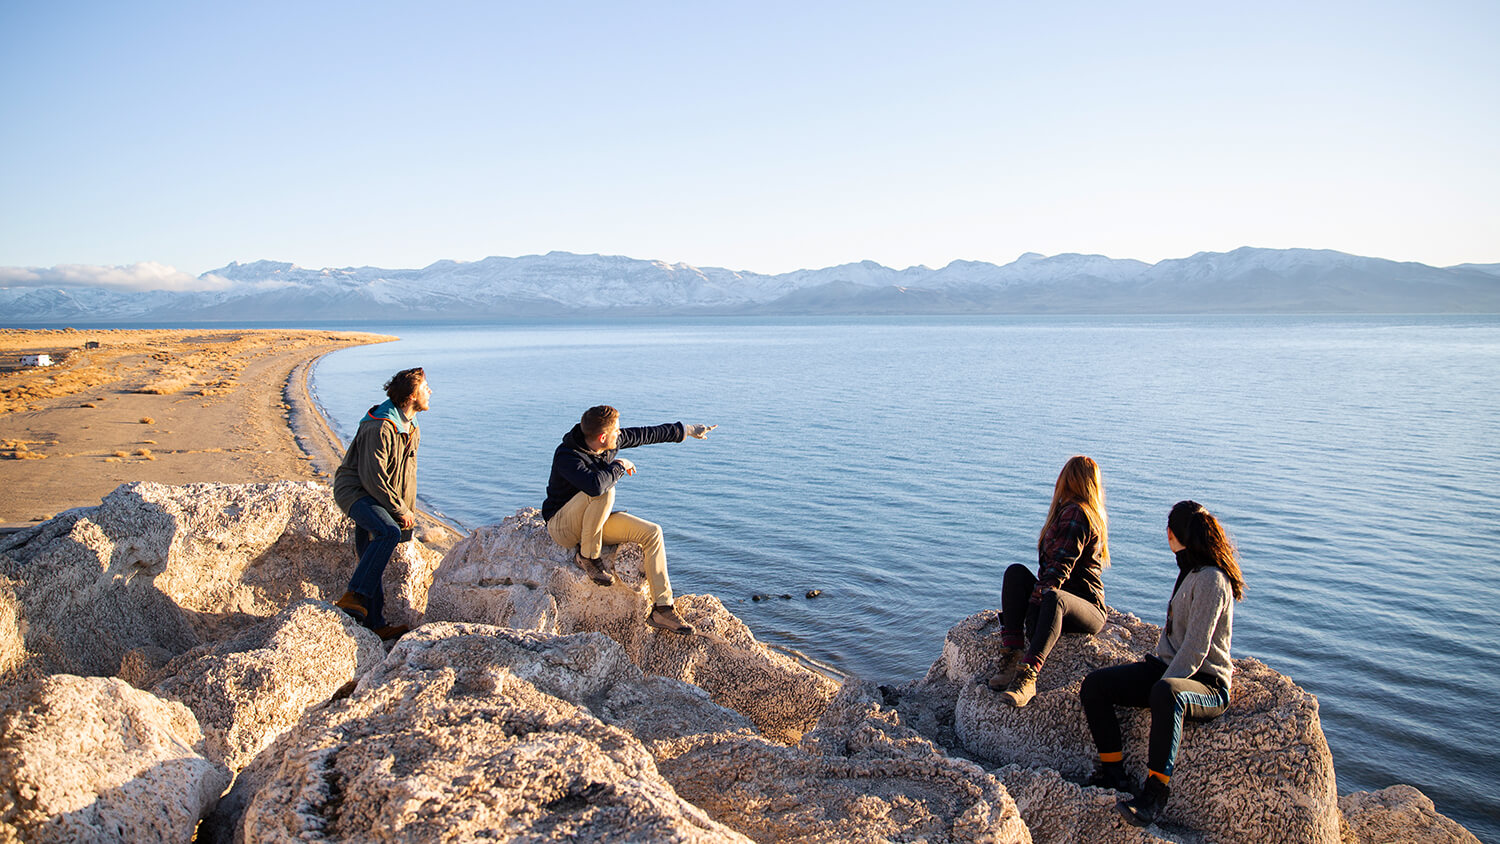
pixel 403 384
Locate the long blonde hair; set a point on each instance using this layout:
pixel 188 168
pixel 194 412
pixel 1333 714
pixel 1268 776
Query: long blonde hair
pixel 1080 483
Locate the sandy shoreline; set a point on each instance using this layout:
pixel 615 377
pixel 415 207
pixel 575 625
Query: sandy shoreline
pixel 174 406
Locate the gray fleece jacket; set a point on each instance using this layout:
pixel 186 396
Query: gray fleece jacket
pixel 1200 618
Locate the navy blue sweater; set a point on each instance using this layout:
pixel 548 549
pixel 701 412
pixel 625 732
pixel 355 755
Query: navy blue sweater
pixel 575 469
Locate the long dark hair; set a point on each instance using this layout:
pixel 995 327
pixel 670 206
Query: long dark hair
pixel 1201 533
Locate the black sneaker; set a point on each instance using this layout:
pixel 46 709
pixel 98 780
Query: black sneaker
pixel 1112 775
pixel 1146 808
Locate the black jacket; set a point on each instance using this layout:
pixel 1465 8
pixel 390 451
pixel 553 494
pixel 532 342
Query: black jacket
pixel 575 469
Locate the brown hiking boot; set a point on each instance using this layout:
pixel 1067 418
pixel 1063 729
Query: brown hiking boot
pixel 1005 671
pixel 353 603
pixel 1023 688
pixel 666 618
pixel 391 631
pixel 594 568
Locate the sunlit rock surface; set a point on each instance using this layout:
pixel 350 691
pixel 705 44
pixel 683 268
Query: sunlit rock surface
pixel 512 574
pixel 453 738
pixel 1400 813
pixel 92 759
pixel 1262 771
pixel 248 690
pixel 534 705
pixel 157 570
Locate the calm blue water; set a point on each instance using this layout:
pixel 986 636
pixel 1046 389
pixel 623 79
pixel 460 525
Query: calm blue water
pixel 899 464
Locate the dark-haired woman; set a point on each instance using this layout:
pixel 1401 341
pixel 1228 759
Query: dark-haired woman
pixel 1066 595
pixel 1188 675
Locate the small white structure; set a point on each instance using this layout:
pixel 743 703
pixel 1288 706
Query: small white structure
pixel 36 360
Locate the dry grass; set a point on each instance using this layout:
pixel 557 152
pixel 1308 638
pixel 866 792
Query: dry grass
pixel 166 361
pixel 146 420
pixel 111 460
pixel 167 386
pixel 88 404
pixel 144 452
pixel 122 454
pixel 21 449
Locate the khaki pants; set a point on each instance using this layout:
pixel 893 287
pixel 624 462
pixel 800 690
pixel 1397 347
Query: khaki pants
pixel 586 521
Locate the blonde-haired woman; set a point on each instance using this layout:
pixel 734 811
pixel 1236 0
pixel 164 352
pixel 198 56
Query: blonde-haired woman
pixel 1066 595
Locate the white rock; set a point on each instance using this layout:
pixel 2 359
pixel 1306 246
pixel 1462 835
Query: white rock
pixel 249 690
pixel 512 574
pixel 445 740
pixel 1399 813
pixel 91 759
pixel 1262 771
pixel 164 568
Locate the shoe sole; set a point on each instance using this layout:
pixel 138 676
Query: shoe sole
pixel 1131 817
pixel 681 631
pixel 357 613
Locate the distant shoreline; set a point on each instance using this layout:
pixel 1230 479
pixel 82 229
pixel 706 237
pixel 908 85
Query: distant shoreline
pixel 174 406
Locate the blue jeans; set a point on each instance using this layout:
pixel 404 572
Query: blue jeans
pixel 375 541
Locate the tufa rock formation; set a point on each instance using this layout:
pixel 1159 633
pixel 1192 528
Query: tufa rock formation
pixel 534 705
pixel 155 570
pixel 513 575
pixel 90 759
pixel 247 691
pixel 452 739
pixel 1261 771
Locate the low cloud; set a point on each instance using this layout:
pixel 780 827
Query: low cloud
pixel 147 275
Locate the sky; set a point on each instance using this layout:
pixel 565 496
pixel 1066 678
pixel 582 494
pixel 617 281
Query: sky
pixel 171 138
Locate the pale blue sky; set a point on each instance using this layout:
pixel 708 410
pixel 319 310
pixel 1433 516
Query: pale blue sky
pixel 766 137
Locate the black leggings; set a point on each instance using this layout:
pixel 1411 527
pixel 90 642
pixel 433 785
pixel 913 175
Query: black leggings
pixel 1059 612
pixel 1140 684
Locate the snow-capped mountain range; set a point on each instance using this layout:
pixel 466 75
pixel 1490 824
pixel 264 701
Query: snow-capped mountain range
pixel 1246 280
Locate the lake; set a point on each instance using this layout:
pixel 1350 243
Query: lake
pixel 900 464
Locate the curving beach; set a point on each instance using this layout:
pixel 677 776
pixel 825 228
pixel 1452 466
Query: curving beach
pixel 166 405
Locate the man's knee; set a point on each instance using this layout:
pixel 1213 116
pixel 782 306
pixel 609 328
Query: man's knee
pixel 387 531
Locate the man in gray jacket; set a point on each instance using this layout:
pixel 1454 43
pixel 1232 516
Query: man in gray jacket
pixel 376 486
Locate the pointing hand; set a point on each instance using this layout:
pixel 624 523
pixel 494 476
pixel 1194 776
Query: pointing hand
pixel 699 431
pixel 629 467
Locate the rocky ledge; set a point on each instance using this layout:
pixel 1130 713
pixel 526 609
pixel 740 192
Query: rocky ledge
pixel 171 670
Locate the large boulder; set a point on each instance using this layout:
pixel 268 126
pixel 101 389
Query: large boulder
pixel 1399 813
pixel 91 759
pixel 247 691
pixel 1056 809
pixel 859 776
pixel 452 738
pixel 158 569
pixel 1261 771
pixel 513 574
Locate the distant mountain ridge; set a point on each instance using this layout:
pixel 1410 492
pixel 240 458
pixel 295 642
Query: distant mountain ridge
pixel 1246 280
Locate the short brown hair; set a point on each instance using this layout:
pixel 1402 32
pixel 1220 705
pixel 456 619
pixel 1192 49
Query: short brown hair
pixel 597 419
pixel 403 384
